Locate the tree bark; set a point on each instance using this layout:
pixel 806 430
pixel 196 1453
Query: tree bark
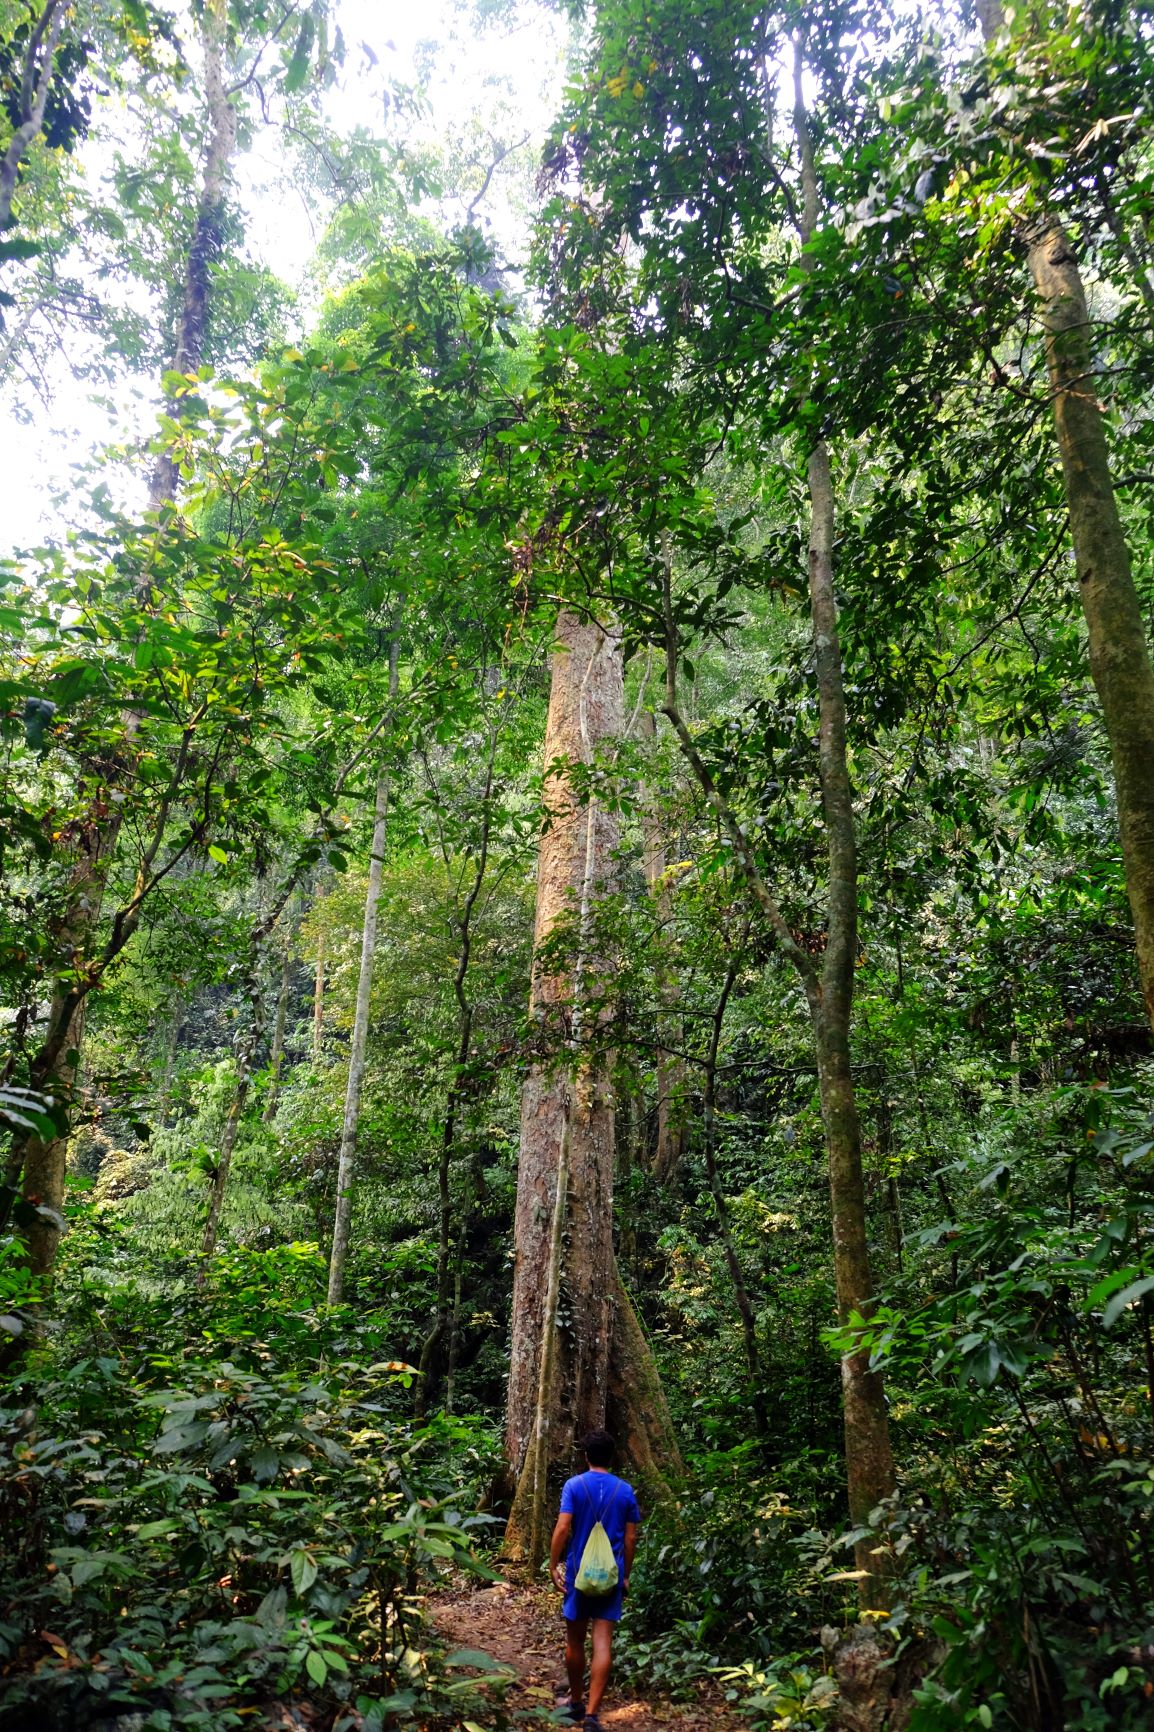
pixel 669 1067
pixel 346 1163
pixel 246 1046
pixel 1119 652
pixel 562 1383
pixel 319 1000
pixel 276 1054
pixel 869 1459
pixel 461 929
pixel 720 1207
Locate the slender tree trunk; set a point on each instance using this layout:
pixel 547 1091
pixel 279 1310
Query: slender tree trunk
pixel 319 1000
pixel 246 1048
pixel 276 1055
pixel 346 1163
pixel 45 1164
pixel 598 1369
pixel 829 991
pixel 208 229
pixel 342 1218
pixel 869 1459
pixel 670 1069
pixel 1116 630
pixel 721 1207
pixel 171 1046
pixel 1119 652
pixel 461 928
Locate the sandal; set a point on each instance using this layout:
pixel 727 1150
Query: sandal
pixel 564 1704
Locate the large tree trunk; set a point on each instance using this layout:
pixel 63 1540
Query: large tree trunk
pixel 564 1382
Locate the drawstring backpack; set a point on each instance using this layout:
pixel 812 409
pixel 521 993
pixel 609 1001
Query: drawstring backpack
pixel 597 1571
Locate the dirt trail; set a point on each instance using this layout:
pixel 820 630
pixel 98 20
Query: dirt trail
pixel 522 1628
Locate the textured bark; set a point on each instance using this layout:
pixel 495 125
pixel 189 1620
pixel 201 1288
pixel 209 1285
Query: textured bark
pixel 45 1164
pixel 1119 652
pixel 358 1045
pixel 35 86
pixel 560 1380
pixel 876 1685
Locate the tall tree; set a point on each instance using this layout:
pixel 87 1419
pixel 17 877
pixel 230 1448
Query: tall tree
pixel 42 1162
pixel 346 1159
pixel 1115 626
pixel 597 1368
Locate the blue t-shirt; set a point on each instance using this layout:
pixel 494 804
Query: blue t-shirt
pixel 591 1498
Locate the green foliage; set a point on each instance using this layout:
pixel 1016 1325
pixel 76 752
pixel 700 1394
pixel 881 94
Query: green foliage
pixel 201 1530
pixel 786 1695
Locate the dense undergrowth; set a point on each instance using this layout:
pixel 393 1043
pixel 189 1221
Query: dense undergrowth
pixel 220 1496
pixel 217 1493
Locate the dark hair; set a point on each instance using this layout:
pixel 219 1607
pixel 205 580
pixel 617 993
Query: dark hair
pixel 599 1448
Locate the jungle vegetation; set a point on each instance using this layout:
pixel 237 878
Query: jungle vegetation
pixel 577 847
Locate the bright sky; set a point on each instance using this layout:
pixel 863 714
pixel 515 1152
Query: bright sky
pixel 520 67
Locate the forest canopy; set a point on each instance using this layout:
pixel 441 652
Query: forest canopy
pixel 576 850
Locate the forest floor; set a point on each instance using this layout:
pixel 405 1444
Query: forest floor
pixel 521 1628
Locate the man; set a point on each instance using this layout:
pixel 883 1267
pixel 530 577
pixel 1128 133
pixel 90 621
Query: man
pixel 589 1498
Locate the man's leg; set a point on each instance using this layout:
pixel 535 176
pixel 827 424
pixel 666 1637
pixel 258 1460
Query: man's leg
pixel 599 1666
pixel 575 1629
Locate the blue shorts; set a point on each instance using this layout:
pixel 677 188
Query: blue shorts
pixel 577 1607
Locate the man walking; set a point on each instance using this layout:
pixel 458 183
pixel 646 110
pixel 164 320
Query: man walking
pixel 589 1498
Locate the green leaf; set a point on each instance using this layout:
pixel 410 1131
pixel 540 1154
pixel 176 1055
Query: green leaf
pixel 155 1530
pixel 1127 1297
pixel 303 1570
pixel 315 1667
pixel 217 854
pixel 265 1462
